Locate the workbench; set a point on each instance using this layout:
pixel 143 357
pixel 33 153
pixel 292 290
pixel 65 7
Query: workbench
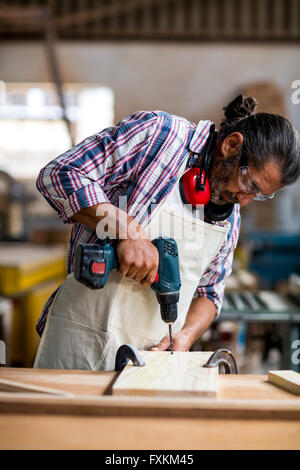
pixel 28 275
pixel 24 265
pixel 248 413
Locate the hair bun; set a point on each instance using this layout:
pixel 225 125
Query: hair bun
pixel 240 108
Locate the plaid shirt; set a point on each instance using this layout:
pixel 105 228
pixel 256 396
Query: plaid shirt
pixel 138 158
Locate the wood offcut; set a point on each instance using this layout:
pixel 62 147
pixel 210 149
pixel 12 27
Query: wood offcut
pixel 286 379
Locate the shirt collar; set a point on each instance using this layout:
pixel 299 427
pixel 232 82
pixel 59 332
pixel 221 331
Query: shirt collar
pixel 200 136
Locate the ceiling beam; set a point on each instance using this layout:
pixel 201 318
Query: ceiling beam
pixel 105 12
pixel 22 15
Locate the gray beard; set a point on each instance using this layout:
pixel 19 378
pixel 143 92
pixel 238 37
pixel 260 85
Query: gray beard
pixel 220 175
pixel 217 198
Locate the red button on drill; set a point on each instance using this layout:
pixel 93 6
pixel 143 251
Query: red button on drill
pixel 98 268
pixel 156 277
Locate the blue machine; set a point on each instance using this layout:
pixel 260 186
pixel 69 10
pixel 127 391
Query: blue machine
pixel 274 256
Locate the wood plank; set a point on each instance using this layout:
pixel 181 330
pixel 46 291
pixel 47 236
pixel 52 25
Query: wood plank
pixel 76 382
pixel 166 374
pixel 19 387
pixel 287 379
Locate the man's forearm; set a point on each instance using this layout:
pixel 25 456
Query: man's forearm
pixel 201 314
pixel 108 219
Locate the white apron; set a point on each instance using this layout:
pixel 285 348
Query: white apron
pixel 85 327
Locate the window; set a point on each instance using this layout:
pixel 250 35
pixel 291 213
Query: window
pixel 31 128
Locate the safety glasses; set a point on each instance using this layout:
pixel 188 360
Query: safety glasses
pixel 246 181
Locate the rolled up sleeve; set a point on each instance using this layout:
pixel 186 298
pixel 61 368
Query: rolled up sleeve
pixel 84 176
pixel 69 204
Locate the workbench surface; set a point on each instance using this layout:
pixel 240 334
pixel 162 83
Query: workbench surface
pixel 25 265
pixel 248 413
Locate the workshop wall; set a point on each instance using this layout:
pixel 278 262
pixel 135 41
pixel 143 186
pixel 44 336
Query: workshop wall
pixel 193 80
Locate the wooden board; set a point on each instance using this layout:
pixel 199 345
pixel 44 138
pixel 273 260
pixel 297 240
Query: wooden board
pixel 76 382
pixel 20 387
pixel 165 374
pixel 287 379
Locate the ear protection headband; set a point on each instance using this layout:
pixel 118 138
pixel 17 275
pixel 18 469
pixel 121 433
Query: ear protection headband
pixel 194 184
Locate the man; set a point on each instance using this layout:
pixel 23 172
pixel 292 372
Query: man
pixel 144 158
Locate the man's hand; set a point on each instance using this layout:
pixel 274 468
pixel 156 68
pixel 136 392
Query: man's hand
pixel 138 257
pixel 138 260
pixel 201 313
pixel 181 342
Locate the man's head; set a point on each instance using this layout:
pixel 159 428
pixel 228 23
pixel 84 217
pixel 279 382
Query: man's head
pixel 256 154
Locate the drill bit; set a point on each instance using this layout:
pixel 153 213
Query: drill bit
pixel 171 338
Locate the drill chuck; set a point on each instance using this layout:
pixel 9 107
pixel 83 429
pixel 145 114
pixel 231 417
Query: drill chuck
pixel 168 306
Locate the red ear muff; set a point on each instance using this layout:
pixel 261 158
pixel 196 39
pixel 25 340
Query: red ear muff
pixel 194 185
pixel 192 190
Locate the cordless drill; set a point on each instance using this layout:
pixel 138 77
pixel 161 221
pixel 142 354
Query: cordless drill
pixel 93 263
